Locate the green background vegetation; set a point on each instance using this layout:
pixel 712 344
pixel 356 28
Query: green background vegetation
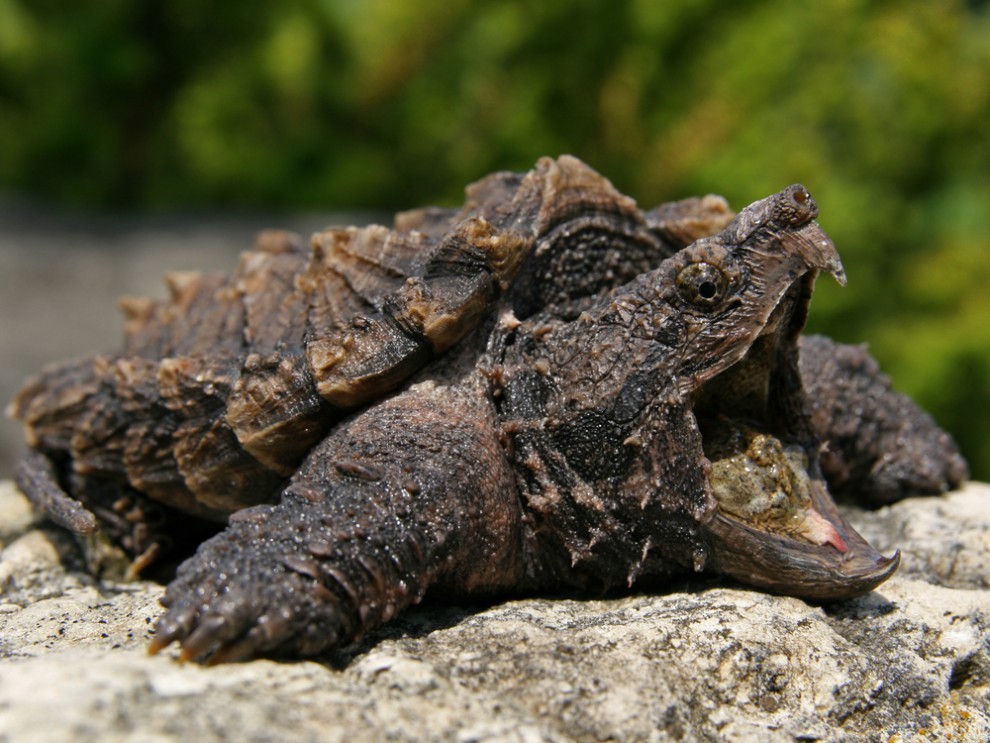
pixel 881 108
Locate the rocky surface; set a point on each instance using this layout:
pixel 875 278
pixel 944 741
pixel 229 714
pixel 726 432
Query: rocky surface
pixel 910 661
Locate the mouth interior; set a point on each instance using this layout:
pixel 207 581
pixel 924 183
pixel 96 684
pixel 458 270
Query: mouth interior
pixel 762 479
pixel 764 464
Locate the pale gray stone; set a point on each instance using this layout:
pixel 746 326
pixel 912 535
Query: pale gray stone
pixel 709 661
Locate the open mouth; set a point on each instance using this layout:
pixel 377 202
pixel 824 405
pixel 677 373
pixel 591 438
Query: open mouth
pixel 776 525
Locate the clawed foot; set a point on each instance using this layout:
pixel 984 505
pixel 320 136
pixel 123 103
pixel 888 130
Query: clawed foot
pixel 930 468
pixel 232 626
pixel 239 598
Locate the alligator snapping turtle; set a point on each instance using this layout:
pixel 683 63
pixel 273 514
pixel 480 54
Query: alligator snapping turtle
pixel 545 389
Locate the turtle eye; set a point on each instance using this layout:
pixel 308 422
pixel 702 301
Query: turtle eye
pixel 702 284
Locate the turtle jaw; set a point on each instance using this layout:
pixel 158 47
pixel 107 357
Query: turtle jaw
pixel 774 524
pixel 794 567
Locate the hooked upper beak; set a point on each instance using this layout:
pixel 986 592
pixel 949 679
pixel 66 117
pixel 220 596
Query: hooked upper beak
pixel 818 250
pixel 790 214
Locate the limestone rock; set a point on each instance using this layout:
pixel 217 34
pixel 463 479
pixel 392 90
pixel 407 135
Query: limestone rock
pixel 707 661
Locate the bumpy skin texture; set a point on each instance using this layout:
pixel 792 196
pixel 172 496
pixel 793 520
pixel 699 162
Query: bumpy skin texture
pixel 513 396
pixel 882 447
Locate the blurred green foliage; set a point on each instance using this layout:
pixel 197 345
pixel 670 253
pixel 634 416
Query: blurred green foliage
pixel 881 108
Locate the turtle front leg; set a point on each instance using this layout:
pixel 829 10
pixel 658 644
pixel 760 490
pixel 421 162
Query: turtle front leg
pixel 881 447
pixel 414 494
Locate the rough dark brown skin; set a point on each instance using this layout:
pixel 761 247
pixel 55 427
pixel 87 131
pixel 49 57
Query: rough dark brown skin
pixel 521 395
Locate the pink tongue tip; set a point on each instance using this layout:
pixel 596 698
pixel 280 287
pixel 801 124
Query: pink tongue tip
pixel 836 541
pixel 821 531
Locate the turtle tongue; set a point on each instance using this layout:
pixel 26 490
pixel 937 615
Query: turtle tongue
pixel 819 530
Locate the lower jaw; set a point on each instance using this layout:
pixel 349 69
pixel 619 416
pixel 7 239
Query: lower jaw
pixel 831 561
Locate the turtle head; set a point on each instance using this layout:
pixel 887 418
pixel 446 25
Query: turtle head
pixel 668 423
pixel 743 295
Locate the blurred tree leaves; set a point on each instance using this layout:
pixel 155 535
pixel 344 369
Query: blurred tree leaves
pixel 880 108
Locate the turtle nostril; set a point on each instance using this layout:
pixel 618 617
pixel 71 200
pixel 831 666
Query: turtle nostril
pixel 796 207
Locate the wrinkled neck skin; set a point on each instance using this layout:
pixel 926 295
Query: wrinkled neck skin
pixel 609 419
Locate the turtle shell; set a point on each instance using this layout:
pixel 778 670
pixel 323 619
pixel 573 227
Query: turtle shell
pixel 220 391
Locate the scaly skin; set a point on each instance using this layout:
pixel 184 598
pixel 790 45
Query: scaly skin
pixel 881 446
pixel 411 497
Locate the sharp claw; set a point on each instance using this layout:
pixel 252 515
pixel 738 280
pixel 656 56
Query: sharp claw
pixel 213 631
pixel 158 644
pixel 173 626
pixel 243 649
pixel 166 632
pixel 220 610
